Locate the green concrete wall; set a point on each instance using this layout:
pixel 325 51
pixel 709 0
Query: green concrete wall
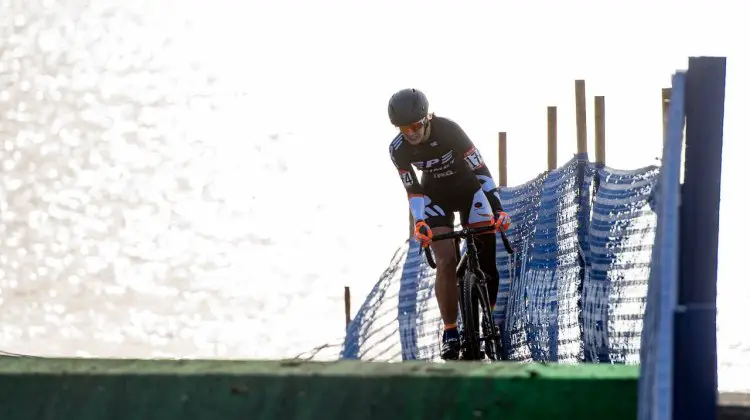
pixel 88 389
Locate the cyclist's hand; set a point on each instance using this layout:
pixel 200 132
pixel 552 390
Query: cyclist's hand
pixel 502 221
pixel 422 233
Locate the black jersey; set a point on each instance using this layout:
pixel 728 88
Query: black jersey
pixel 448 159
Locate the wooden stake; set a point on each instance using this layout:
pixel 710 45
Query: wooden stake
pixel 581 137
pixel 599 138
pixel 347 306
pixel 502 154
pixel 551 138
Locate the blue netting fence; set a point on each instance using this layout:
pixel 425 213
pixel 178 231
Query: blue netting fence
pixel 655 381
pixel 574 290
pixel 593 279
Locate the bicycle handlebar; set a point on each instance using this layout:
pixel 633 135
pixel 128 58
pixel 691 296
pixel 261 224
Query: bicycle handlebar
pixel 463 233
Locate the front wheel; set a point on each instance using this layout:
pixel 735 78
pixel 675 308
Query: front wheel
pixel 492 343
pixel 491 338
pixel 469 317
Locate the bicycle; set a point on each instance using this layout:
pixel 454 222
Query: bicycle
pixel 472 280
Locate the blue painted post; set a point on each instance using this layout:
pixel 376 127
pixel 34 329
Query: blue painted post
pixel 695 364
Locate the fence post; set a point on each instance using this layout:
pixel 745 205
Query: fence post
pixel 347 306
pixel 581 137
pixel 583 210
pixel 695 379
pixel 502 155
pixel 551 138
pixel 599 138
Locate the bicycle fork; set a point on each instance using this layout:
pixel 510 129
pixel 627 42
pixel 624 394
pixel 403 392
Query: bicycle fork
pixel 490 332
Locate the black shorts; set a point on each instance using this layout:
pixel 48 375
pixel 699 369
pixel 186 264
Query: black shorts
pixel 464 195
pixel 468 199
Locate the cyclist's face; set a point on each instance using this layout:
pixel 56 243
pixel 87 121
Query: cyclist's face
pixel 415 132
pixel 416 136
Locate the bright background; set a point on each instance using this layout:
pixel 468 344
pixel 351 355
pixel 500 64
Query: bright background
pixel 202 179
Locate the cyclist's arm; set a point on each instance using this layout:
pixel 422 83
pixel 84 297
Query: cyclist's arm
pixel 473 159
pixel 409 179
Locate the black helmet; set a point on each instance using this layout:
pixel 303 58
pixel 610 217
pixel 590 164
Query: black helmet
pixel 407 106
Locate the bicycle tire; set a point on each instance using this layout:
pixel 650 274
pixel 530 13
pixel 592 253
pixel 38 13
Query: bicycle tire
pixel 469 316
pixel 492 343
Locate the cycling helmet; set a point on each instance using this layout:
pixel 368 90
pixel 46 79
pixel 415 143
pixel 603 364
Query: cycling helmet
pixel 407 106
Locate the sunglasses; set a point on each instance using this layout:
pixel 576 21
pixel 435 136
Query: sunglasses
pixel 413 127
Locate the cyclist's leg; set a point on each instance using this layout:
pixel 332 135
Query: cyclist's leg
pixel 445 269
pixel 479 213
pixel 475 209
pixel 440 219
pixel 487 253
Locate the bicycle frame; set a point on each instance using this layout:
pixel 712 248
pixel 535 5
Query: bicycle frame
pixel 470 261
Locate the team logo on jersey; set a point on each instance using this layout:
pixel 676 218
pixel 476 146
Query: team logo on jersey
pixel 443 174
pixel 474 159
pixel 406 178
pixel 442 160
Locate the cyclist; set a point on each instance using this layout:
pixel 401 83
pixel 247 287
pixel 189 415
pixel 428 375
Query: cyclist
pixel 454 178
